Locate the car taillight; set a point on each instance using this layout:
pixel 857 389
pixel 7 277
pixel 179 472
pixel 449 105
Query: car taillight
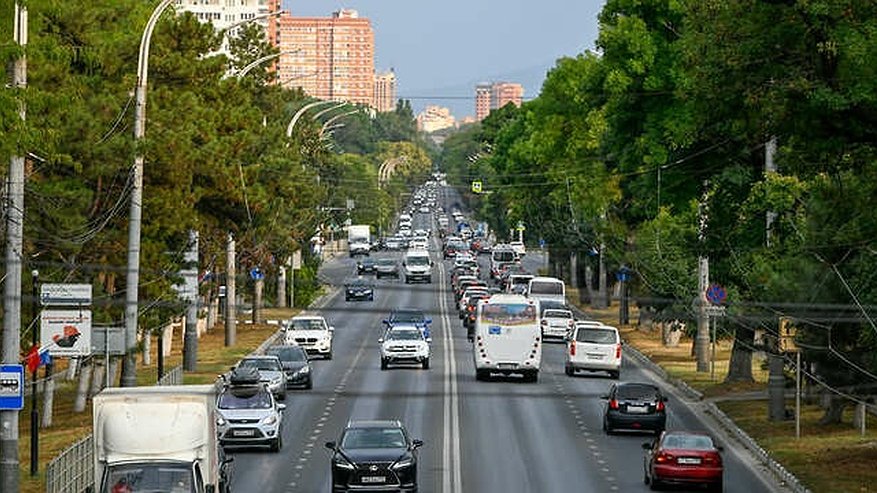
pixel 572 348
pixel 660 406
pixel 544 322
pixel 663 458
pixel 713 459
pixel 613 404
pixel 618 351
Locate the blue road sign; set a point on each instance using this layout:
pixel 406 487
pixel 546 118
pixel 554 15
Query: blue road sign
pixel 623 274
pixel 541 242
pixel 11 387
pixel 256 274
pixel 716 294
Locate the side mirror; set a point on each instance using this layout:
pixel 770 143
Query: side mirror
pixel 427 321
pixel 665 399
pixel 720 448
pixel 227 460
pixel 281 407
pixel 385 321
pixel 331 329
pixel 647 446
pixel 429 340
pixel 381 340
pixel 604 397
pixel 416 444
pixel 330 445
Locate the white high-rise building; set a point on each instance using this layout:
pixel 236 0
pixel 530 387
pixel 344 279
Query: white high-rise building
pixel 225 13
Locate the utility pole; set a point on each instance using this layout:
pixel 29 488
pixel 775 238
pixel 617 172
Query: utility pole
pixel 258 288
pixel 132 278
pixel 34 413
pixel 281 287
pixel 9 474
pixel 230 301
pixel 190 274
pixel 776 380
pixel 702 338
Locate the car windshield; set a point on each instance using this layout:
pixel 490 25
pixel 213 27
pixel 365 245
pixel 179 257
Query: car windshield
pixel 386 262
pixel 359 438
pixel 504 255
pixel 407 316
pixel 557 314
pixel 636 392
pixel 418 260
pixel 405 335
pixel 596 336
pixel 689 442
pixel 546 287
pixel 508 314
pixel 307 325
pixel 288 353
pixel 259 400
pixel 170 478
pixel 261 364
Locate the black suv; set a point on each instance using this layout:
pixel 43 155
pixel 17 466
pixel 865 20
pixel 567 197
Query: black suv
pixel 635 407
pixel 374 456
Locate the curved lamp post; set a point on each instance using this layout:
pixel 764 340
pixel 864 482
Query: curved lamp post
pixel 255 63
pixel 132 279
pixel 302 111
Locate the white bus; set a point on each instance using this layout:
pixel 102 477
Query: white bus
pixel 507 337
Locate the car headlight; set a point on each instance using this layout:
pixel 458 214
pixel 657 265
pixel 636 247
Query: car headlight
pixel 402 464
pixel 220 421
pixel 343 463
pixel 304 370
pixel 270 420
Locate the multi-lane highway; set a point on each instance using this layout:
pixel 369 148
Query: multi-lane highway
pixel 501 436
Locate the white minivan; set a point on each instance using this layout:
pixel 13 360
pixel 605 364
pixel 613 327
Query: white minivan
pixel 547 289
pixel 508 338
pixel 417 266
pixel 593 347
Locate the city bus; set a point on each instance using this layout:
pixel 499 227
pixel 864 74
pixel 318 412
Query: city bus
pixel 507 337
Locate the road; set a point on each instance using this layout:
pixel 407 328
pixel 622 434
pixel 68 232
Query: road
pixel 501 436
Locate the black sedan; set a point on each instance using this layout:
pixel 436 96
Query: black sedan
pixel 635 407
pixel 359 290
pixel 374 456
pixel 295 364
pixel 366 266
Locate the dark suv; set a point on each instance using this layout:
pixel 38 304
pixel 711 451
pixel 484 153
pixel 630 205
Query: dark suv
pixel 635 407
pixel 374 456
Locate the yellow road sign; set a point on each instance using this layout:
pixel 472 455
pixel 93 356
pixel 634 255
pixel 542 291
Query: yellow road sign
pixel 476 186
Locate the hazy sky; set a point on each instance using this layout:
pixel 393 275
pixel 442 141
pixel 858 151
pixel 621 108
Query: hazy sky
pixel 441 48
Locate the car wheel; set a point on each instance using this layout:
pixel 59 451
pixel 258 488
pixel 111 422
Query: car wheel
pixel 481 375
pixel 606 427
pixel 329 354
pixel 282 396
pixel 654 485
pixel 646 479
pixel 615 374
pixel 277 444
pixel 371 298
pixel 717 487
pixel 383 364
pixel 426 364
pixel 569 370
pixel 310 384
pixel 407 281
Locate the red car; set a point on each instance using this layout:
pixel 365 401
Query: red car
pixel 683 458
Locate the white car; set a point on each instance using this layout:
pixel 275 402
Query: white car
pixel 312 333
pixel 593 347
pixel 419 243
pixel 519 248
pixel 248 415
pixel 557 323
pixel 404 343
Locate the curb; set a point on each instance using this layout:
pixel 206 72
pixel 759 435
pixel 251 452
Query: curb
pixel 779 472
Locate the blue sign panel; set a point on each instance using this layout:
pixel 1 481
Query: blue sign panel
pixel 716 294
pixel 256 274
pixel 494 330
pixel 11 387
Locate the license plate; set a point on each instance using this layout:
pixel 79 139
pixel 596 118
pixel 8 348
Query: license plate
pixel 374 479
pixel 595 356
pixel 244 433
pixel 688 460
pixel 507 365
pixel 637 409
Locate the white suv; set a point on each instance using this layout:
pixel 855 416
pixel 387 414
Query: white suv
pixel 404 343
pixel 312 333
pixel 248 415
pixel 594 347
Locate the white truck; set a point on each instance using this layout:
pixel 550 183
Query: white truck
pixel 159 438
pixel 359 239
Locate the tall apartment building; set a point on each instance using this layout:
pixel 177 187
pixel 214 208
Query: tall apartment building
pixel 224 13
pixel 385 92
pixel 435 118
pixel 330 58
pixel 482 101
pixel 494 96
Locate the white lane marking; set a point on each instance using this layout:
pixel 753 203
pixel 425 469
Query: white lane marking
pixel 452 478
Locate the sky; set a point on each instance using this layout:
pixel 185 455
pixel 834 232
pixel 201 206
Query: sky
pixel 440 49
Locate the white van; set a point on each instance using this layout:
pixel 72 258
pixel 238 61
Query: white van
pixel 417 266
pixel 508 338
pixel 547 289
pixel 593 347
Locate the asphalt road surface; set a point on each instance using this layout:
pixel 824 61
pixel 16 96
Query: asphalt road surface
pixel 503 436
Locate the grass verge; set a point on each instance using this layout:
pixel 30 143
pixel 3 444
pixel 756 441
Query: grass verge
pixel 68 427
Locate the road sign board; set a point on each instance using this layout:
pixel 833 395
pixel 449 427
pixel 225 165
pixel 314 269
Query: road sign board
pixel 65 294
pixel 11 387
pixel 256 274
pixel 715 311
pixel 114 346
pixel 716 294
pixel 476 186
pixel 66 332
pixel 296 259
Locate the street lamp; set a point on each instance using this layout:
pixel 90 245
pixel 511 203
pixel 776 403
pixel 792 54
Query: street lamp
pixel 300 112
pixel 255 63
pixel 132 280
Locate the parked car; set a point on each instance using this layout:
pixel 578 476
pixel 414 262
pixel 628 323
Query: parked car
pixel 594 348
pixel 387 267
pixel 247 413
pixel 359 289
pixel 634 407
pixel 683 458
pixel 404 343
pixel 374 456
pixel 295 363
pixel 270 372
pixel 312 333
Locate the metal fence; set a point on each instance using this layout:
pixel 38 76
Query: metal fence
pixel 73 470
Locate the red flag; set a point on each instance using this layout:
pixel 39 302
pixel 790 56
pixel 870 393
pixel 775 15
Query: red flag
pixel 32 360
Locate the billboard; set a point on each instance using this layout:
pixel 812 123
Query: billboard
pixel 66 332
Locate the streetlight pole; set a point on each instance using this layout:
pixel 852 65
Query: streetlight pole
pixel 9 463
pixel 132 280
pixel 300 112
pixel 34 414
